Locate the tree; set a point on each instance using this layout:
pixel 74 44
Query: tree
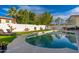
pixel 31 17
pixel 43 19
pixel 38 19
pixel 46 18
pixel 58 20
pixel 23 16
pixel 12 12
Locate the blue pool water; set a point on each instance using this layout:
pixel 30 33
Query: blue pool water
pixel 63 42
pixel 52 41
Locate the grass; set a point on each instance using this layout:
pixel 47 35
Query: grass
pixel 7 39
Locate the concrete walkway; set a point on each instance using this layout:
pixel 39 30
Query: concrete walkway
pixel 20 46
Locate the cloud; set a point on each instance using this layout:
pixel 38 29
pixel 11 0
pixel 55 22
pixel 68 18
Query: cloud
pixel 35 9
pixel 5 9
pixel 62 16
pixel 67 14
pixel 74 11
pixel 39 9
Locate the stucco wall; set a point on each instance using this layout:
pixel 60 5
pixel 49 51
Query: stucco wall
pixel 4 21
pixel 77 22
pixel 21 27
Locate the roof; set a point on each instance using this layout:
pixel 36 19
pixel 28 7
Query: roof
pixel 73 16
pixel 7 18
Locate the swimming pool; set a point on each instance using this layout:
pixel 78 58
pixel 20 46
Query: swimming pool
pixel 54 40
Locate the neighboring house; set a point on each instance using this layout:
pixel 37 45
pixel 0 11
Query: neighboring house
pixel 7 20
pixel 73 20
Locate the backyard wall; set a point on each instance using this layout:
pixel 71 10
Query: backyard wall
pixel 20 27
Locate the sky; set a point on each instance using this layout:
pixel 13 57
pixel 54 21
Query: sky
pixel 63 11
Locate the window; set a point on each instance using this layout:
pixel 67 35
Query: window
pixel 7 21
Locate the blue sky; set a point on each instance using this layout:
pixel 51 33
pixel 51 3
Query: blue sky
pixel 63 11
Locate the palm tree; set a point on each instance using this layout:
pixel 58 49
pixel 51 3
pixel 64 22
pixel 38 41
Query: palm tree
pixel 23 16
pixel 12 12
pixel 31 17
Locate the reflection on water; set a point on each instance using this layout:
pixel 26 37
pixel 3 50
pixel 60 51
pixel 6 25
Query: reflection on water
pixel 53 40
pixel 62 42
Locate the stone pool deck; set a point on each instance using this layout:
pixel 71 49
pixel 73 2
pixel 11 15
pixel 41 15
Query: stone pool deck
pixel 77 38
pixel 20 46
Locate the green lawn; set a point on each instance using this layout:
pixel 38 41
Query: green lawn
pixel 6 39
pixel 9 39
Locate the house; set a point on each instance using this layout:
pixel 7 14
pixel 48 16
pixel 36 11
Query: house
pixel 7 20
pixel 73 20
